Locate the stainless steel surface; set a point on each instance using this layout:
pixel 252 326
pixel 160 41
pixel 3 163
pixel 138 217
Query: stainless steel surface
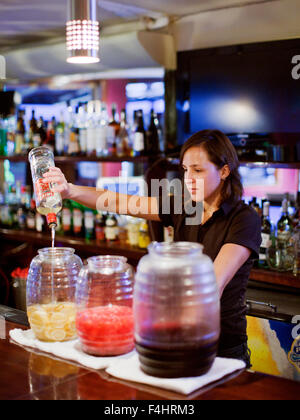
pixel 82 10
pixel 19 293
pixel 265 305
pixel 13 315
pixel 82 32
pixel 287 302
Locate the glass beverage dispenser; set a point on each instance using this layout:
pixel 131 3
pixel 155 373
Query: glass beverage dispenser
pixel 51 286
pixel 176 310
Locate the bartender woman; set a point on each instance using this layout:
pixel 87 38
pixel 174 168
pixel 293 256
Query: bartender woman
pixel 230 230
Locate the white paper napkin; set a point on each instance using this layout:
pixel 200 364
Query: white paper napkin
pixel 69 350
pixel 126 366
pixel 130 370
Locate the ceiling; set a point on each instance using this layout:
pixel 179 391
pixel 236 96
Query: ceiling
pixel 32 32
pixel 24 22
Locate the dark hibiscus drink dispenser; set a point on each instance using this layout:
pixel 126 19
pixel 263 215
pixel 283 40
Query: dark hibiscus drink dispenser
pixel 176 310
pixel 104 318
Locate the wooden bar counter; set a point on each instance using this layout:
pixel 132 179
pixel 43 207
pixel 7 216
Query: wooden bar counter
pixel 26 375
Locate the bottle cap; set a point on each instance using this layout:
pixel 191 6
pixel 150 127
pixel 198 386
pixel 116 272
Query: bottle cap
pixel 51 219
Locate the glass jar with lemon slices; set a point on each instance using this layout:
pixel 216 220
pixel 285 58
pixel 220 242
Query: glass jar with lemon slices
pixel 51 286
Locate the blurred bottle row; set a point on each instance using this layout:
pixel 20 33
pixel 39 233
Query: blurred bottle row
pixel 18 211
pixel 88 131
pixel 280 246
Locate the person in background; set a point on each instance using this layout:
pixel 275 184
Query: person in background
pixel 229 230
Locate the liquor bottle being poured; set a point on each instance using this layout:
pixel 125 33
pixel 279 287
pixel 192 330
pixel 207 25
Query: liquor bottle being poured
pixel 48 202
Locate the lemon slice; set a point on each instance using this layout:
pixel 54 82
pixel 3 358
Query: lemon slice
pixel 70 328
pixel 58 335
pixel 68 309
pixel 38 318
pixel 58 319
pixel 58 307
pixel 37 329
pixel 53 321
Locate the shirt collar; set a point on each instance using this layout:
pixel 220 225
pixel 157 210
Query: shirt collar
pixel 227 206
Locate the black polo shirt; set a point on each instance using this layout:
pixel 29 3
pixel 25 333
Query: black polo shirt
pixel 235 223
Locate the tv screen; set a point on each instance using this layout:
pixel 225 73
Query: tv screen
pixel 240 89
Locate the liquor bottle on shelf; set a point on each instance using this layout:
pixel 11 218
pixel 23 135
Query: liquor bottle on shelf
pixel 30 217
pixel 101 132
pixel 112 132
pixel 34 134
pixel 111 228
pixel 132 128
pixel 139 136
pixel 77 219
pixel 48 202
pixel 60 136
pixel 6 218
pixel 21 208
pixel 144 236
pixel 50 138
pixel 21 216
pixel 284 224
pixel 280 255
pixel 296 215
pixel 42 131
pixel 26 193
pixel 91 130
pixel 123 143
pixel 152 136
pixel 266 231
pixel 67 217
pixel 73 146
pixel 82 128
pixel 59 225
pixel 32 124
pixel 296 244
pixel 20 135
pixel 10 135
pixel 254 204
pixel 5 210
pixel 13 206
pixel 39 222
pixel 100 227
pixel 3 138
pixel 89 223
pixel 262 201
pixel 132 228
pixel 169 234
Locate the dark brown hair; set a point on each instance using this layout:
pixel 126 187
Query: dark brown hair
pixel 220 152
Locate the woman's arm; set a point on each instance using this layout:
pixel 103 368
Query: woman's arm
pixel 104 200
pixel 228 261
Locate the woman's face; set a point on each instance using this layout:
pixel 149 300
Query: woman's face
pixel 202 177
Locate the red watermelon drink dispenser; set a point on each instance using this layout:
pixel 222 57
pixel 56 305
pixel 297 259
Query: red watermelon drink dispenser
pixel 104 319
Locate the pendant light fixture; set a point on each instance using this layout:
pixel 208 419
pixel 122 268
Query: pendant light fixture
pixel 82 32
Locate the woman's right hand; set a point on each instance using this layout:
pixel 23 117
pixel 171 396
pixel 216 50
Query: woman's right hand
pixel 58 181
